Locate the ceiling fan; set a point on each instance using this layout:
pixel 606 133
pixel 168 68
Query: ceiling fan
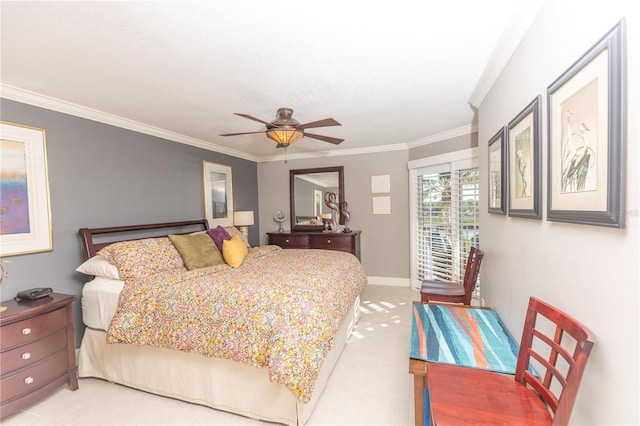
pixel 285 129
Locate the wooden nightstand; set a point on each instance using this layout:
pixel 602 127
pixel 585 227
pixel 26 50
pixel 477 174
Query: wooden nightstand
pixel 37 350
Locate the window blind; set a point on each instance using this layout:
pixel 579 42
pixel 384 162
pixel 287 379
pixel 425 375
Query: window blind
pixel 447 222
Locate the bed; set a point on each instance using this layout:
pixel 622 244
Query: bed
pixel 258 339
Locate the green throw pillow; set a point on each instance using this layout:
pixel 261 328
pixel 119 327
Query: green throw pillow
pixel 197 250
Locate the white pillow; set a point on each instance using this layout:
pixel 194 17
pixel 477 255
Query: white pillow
pixel 99 266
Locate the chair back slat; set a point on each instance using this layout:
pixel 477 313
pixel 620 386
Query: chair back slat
pixel 547 396
pixel 471 273
pixel 551 371
pixel 571 340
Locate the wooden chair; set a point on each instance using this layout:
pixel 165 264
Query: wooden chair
pixel 445 291
pixel 460 395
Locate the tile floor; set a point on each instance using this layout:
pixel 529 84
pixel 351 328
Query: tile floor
pixel 370 384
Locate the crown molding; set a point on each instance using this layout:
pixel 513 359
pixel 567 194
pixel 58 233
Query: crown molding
pixel 438 137
pixel 510 39
pixel 334 153
pixel 443 136
pixel 43 101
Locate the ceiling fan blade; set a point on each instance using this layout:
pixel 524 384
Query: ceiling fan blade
pixel 243 133
pixel 320 123
pixel 259 120
pixel 324 138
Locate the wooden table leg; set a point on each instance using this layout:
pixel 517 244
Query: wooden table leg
pixel 419 370
pixel 418 398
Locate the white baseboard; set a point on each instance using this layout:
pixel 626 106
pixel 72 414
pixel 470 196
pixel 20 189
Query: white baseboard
pixel 395 282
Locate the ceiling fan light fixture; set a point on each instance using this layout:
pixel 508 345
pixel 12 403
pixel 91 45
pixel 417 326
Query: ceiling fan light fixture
pixel 285 129
pixel 284 136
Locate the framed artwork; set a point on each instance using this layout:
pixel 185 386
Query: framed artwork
pixel 497 172
pixel 24 191
pixel 381 205
pixel 218 194
pixel 587 128
pixel 380 184
pixel 524 162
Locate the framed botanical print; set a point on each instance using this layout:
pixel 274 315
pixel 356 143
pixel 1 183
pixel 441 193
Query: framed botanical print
pixel 218 194
pixel 24 191
pixel 587 137
pixel 524 162
pixel 497 172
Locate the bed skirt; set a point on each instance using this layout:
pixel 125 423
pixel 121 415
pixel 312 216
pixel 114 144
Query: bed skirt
pixel 217 383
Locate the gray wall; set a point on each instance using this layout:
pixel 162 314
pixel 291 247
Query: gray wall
pixel 384 238
pixel 445 146
pixel 590 272
pixel 100 175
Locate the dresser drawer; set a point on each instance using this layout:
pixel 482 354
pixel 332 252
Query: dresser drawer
pixel 35 376
pixel 330 242
pixel 32 329
pixel 290 241
pixel 28 354
pixel 349 241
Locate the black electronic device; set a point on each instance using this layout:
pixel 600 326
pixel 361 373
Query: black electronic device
pixel 34 293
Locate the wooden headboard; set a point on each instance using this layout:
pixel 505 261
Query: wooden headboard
pixel 118 233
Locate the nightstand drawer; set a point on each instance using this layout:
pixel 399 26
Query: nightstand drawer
pixel 37 352
pixel 35 376
pixel 289 241
pixel 330 242
pixel 32 329
pixel 28 354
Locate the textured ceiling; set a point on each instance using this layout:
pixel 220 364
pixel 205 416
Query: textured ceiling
pixel 392 72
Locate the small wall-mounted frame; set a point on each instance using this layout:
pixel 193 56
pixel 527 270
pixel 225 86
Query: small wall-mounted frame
pixel 24 191
pixel 497 172
pixel 380 184
pixel 218 194
pixel 524 162
pixel 587 129
pixel 382 205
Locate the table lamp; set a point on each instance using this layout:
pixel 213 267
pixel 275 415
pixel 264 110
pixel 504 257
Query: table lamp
pixel 242 220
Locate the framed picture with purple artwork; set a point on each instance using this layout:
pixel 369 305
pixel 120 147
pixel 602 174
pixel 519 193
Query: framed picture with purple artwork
pixel 524 162
pixel 587 128
pixel 24 189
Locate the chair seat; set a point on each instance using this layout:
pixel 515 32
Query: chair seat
pixel 464 396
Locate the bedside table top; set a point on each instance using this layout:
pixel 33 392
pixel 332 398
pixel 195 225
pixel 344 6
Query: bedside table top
pixel 16 311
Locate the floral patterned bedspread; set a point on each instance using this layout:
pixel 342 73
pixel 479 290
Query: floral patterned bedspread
pixel 279 310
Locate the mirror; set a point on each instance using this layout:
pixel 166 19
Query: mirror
pixel 306 196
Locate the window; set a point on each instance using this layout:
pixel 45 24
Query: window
pixel 445 216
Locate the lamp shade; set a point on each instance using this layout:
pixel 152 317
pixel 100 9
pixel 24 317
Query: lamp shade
pixel 243 218
pixel 284 136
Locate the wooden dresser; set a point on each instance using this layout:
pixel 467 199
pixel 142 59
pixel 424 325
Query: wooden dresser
pixel 37 353
pixel 349 242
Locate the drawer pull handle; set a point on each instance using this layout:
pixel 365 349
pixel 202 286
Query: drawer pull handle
pixel 26 355
pixel 26 331
pixel 328 241
pixel 28 380
pixel 286 241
